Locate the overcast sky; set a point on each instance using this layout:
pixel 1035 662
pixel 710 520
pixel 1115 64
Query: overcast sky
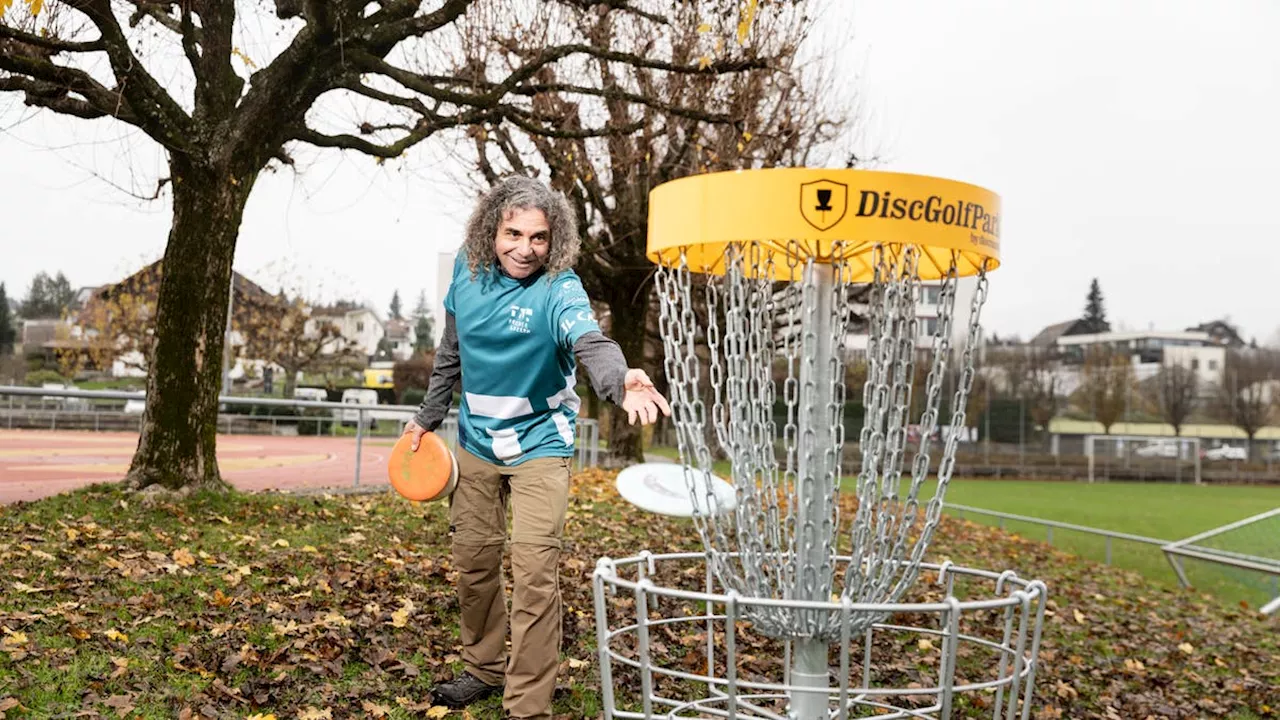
pixel 1138 142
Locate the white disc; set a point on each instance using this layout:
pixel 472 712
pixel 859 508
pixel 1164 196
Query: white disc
pixel 663 488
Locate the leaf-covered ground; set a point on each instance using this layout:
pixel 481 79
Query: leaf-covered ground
pixel 236 606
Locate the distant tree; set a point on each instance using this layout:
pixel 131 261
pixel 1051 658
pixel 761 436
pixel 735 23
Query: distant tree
pixel 1246 395
pixel 1095 315
pixel 395 306
pixel 117 324
pixel 1175 389
pixel 8 333
pixel 1107 377
pixel 279 329
pixel 383 350
pixel 1043 389
pixel 412 374
pixel 424 326
pixel 47 297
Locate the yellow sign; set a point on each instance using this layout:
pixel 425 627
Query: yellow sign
pixel 826 214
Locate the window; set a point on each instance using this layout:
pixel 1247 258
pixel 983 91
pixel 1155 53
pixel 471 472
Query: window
pixel 359 327
pixel 929 294
pixel 1213 364
pixel 928 326
pixel 1195 364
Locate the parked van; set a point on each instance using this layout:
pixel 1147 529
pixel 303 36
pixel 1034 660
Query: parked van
pixel 359 396
pixel 307 393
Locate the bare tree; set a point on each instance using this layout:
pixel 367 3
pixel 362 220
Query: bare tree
pixel 778 116
pixel 388 74
pixel 1175 388
pixel 1042 389
pixel 279 330
pixel 1246 396
pixel 1106 382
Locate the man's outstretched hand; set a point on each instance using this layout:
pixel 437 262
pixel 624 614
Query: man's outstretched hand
pixel 641 399
pixel 417 431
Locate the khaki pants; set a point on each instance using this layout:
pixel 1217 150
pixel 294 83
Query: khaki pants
pixel 538 491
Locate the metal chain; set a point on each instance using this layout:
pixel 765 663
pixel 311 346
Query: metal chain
pixel 780 542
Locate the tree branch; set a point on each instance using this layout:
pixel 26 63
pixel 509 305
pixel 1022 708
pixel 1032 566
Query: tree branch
pixel 396 22
pixel 49 80
pixel 49 43
pixel 51 96
pixel 422 131
pixel 157 113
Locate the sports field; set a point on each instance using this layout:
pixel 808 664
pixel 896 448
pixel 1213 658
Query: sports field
pixel 1160 511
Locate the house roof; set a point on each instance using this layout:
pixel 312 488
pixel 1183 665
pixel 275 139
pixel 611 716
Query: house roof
pixel 1048 337
pixel 1221 331
pixel 147 280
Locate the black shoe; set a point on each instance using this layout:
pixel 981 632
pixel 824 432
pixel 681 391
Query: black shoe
pixel 462 691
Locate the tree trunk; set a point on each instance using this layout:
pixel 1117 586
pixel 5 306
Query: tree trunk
pixel 290 382
pixel 177 448
pixel 629 306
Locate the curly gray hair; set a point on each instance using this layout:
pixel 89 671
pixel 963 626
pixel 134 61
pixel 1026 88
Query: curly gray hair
pixel 521 193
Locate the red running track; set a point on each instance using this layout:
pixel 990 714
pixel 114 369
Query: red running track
pixel 39 463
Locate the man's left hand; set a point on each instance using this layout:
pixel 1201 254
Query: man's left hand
pixel 642 400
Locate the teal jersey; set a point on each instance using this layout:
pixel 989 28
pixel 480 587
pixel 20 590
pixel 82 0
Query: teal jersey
pixel 515 344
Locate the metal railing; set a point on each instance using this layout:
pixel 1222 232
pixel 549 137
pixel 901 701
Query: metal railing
pixel 586 445
pixel 1049 525
pixel 1173 551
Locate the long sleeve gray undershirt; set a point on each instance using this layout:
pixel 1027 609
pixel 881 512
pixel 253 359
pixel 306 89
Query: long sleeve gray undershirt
pixel 601 357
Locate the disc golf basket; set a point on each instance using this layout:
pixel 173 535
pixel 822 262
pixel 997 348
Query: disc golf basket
pixel 795 609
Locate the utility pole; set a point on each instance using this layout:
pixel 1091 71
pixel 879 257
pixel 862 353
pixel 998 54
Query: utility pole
pixel 226 339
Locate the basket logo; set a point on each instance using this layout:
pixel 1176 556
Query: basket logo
pixel 823 203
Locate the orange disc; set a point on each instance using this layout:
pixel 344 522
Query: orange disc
pixel 429 474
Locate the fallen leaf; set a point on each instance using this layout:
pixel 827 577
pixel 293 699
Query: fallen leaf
pixel 183 557
pixel 13 639
pixel 375 709
pixel 281 543
pixel 311 713
pixel 114 634
pixel 437 711
pixel 1186 648
pixel 924 644
pixel 575 663
pixel 1079 616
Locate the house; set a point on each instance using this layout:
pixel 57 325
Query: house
pixel 359 326
pixel 927 312
pixel 145 285
pixel 1048 337
pixel 401 336
pixel 1151 350
pixel 1221 332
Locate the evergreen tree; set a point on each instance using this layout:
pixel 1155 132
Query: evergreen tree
pixel 47 296
pixel 395 306
pixel 1095 315
pixel 424 327
pixel 61 293
pixel 8 333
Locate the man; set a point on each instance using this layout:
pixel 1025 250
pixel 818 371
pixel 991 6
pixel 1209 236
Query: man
pixel 517 317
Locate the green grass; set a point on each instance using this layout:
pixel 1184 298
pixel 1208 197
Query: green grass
pixel 1155 510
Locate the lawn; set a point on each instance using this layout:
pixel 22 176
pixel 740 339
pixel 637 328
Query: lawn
pixel 1160 511
pixel 242 606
